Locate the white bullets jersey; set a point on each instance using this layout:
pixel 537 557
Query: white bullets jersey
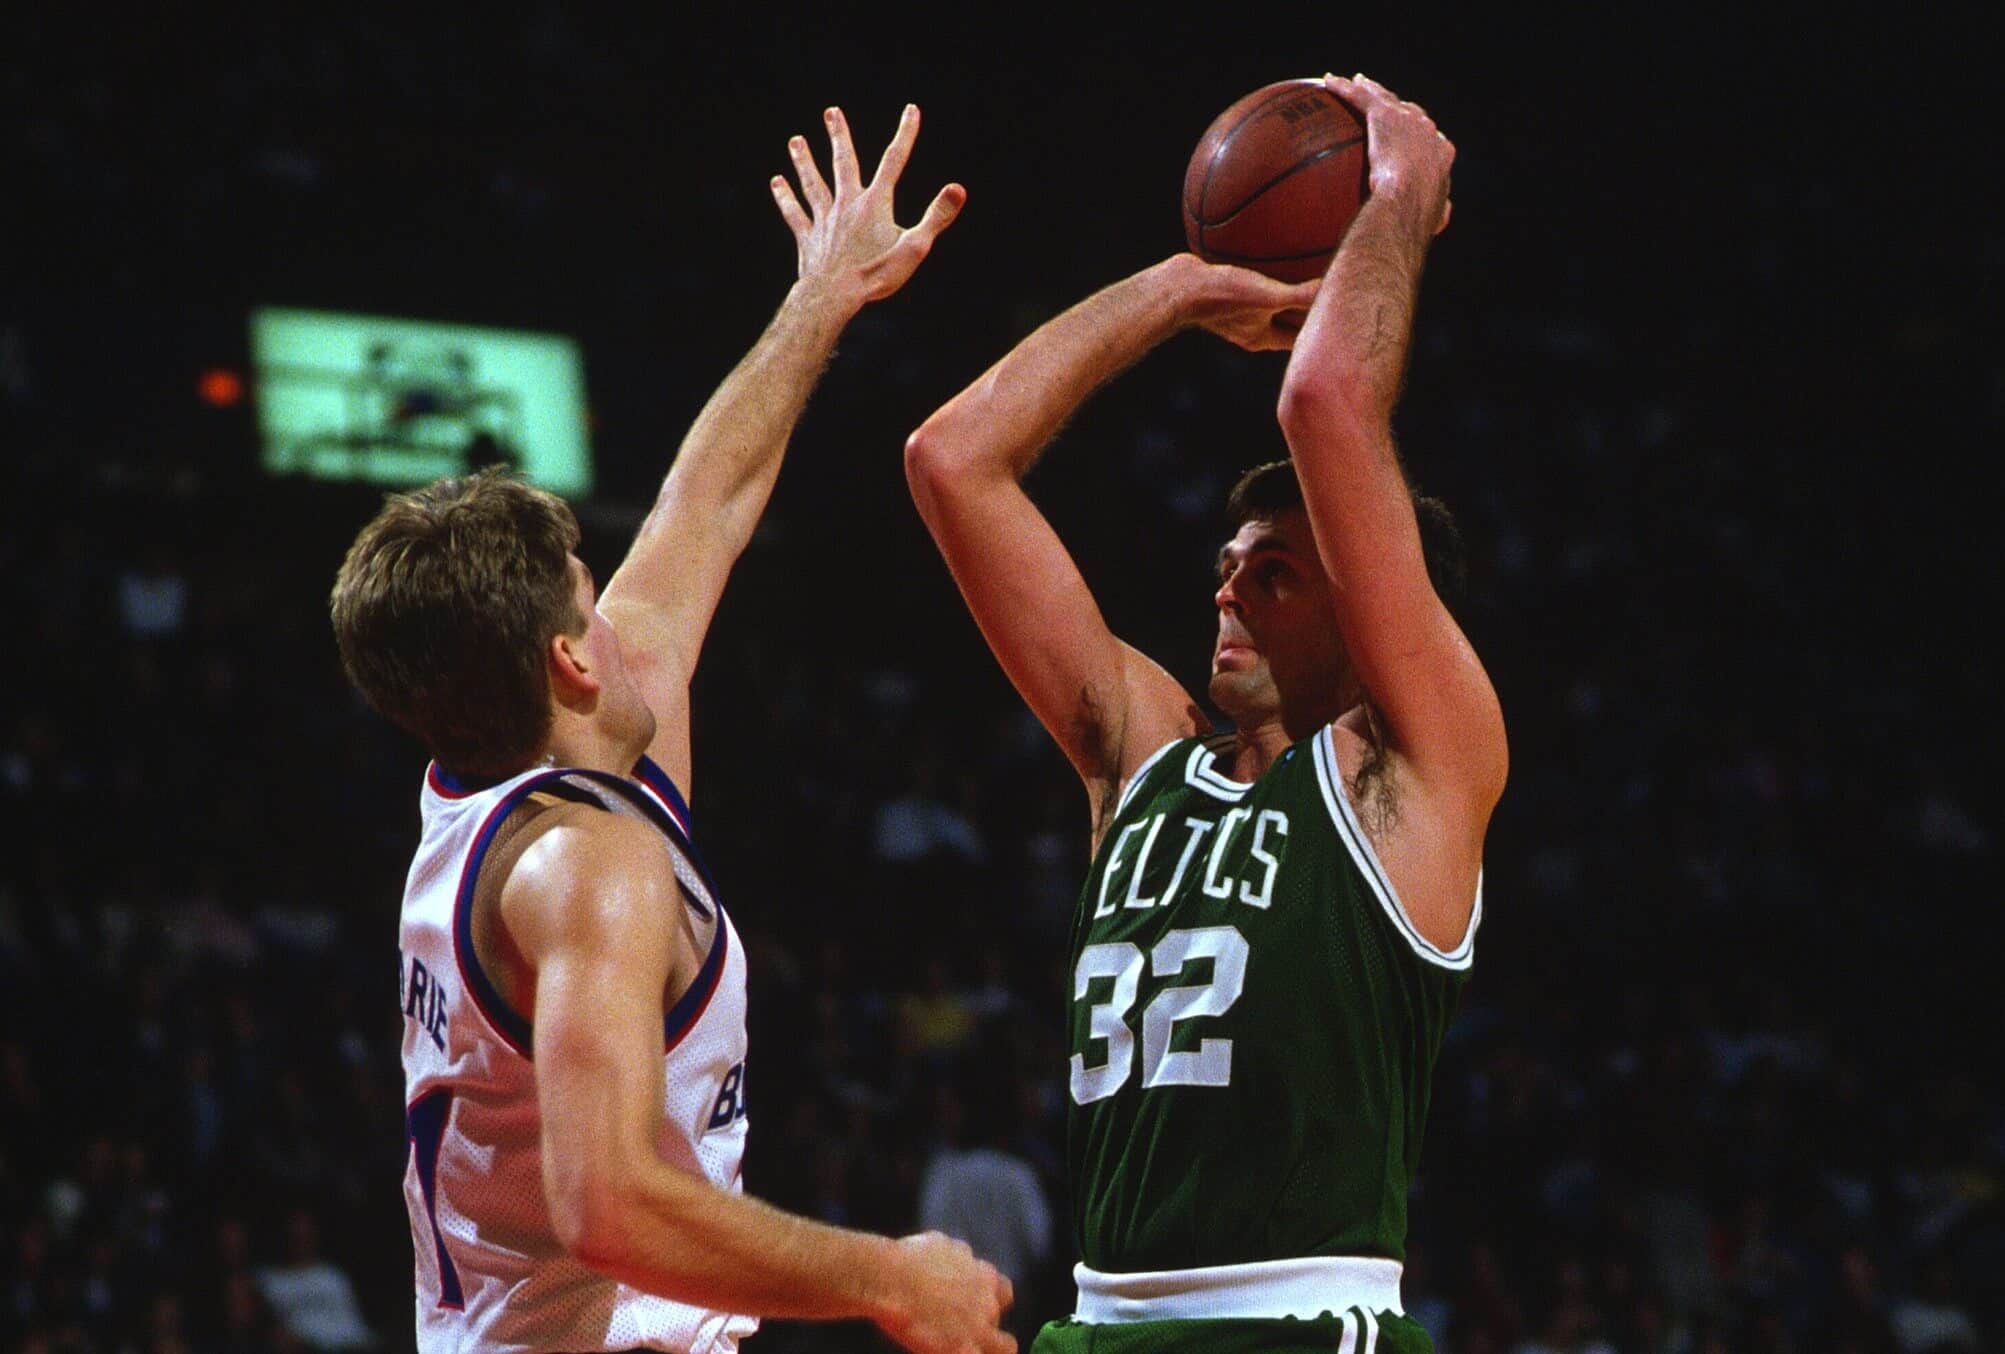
pixel 491 1273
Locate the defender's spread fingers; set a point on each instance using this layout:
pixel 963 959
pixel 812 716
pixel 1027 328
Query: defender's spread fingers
pixel 892 163
pixel 946 205
pixel 790 207
pixel 843 151
pixel 813 187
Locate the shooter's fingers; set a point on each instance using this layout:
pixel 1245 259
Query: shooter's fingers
pixel 1300 296
pixel 1351 91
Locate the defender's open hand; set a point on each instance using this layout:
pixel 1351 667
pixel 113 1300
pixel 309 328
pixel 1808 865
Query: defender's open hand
pixel 846 235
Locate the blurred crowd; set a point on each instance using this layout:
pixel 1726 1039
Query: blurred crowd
pixel 1683 1110
pixel 1720 1082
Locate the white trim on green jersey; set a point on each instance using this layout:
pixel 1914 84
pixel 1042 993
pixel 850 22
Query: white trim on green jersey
pixel 1304 1287
pixel 1330 776
pixel 1201 771
pixel 1349 1342
pixel 1135 781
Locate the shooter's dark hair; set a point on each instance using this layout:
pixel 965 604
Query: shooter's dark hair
pixel 1266 491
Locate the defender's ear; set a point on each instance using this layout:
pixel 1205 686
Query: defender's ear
pixel 573 676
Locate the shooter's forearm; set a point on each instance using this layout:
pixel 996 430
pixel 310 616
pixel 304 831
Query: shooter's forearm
pixel 1001 424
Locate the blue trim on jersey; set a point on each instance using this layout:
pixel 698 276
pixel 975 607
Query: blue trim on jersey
pixel 510 1025
pixel 663 818
pixel 653 812
pixel 425 1121
pixel 507 1022
pixel 691 1005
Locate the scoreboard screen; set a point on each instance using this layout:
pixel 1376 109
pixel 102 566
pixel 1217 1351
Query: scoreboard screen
pixel 402 402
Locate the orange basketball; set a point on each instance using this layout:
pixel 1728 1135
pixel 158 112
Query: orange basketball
pixel 1275 181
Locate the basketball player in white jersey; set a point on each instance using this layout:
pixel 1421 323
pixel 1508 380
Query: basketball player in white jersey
pixel 573 995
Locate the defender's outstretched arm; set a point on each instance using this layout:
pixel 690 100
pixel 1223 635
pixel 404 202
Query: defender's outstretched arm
pixel 851 252
pixel 1441 713
pixel 1107 705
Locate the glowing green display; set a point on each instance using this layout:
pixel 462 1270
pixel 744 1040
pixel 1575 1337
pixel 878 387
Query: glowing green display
pixel 362 397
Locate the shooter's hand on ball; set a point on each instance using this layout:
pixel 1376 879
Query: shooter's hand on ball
pixel 846 236
pixel 1410 157
pixel 1243 307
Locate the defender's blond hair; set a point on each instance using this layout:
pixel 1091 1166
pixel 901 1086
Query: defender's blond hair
pixel 444 610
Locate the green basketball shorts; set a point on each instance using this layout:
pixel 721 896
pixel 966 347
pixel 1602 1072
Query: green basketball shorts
pixel 1352 1332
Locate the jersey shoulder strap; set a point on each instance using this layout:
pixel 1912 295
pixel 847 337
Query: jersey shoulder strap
pixel 1151 765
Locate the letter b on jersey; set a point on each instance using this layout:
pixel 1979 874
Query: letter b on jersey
pixel 730 1099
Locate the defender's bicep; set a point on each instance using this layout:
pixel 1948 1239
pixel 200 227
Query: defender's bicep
pixel 589 909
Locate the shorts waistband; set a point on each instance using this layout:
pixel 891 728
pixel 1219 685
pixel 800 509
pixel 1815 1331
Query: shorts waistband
pixel 1305 1287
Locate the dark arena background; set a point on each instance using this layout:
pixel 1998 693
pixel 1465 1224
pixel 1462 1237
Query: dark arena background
pixel 1709 364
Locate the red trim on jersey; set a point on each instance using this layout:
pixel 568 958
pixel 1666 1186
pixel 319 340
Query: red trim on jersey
pixel 437 780
pixel 648 772
pixel 667 804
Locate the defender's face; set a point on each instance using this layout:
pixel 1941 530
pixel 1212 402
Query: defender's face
pixel 1277 627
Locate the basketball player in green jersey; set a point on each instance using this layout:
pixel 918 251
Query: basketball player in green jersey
pixel 1277 921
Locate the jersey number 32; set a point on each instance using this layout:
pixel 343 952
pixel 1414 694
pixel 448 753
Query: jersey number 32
pixel 1210 1063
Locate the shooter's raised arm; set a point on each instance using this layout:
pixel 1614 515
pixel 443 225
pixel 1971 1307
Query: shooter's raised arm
pixel 1439 710
pixel 1107 705
pixel 851 251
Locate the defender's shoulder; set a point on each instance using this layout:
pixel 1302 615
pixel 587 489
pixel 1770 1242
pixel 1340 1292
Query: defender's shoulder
pixel 571 852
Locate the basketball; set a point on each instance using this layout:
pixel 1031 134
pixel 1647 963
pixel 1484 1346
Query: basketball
pixel 1275 181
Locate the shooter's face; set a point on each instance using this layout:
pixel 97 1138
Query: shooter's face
pixel 1278 645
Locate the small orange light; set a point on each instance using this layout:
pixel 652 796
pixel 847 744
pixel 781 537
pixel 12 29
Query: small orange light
pixel 220 388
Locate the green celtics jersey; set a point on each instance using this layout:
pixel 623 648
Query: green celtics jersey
pixel 1254 1023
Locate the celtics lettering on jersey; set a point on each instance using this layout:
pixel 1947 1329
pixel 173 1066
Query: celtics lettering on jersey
pixel 1254 1023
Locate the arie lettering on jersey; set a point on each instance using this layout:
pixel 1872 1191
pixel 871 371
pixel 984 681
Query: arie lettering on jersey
pixel 425 1000
pixel 1265 832
pixel 422 996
